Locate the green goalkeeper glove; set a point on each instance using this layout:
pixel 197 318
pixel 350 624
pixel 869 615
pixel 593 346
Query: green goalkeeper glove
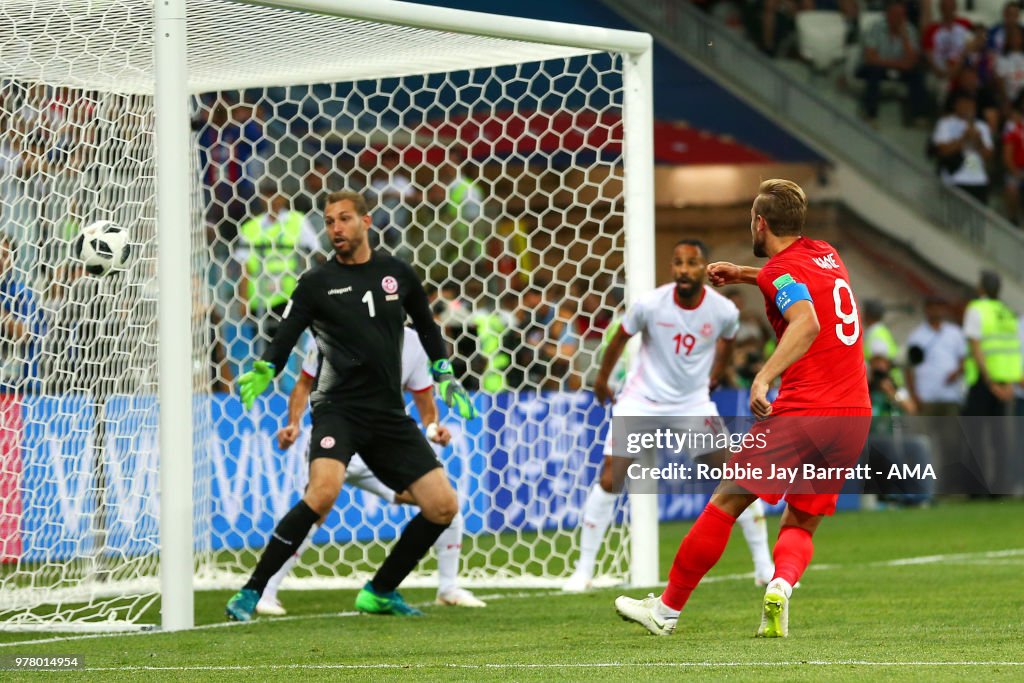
pixel 255 382
pixel 451 392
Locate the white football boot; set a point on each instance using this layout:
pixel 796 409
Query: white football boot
pixel 577 583
pixel 645 612
pixel 775 610
pixel 270 607
pixel 459 597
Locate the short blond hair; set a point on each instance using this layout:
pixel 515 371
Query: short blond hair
pixel 358 201
pixel 783 205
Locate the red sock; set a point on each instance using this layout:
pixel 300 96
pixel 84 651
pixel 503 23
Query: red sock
pixel 793 552
pixel 697 554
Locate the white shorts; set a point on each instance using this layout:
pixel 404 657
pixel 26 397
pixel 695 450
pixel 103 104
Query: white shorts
pixel 696 418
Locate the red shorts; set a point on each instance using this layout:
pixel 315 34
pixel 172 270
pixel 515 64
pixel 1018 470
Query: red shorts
pixel 802 455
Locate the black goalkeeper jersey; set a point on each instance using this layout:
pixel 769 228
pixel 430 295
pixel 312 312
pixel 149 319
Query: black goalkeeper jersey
pixel 357 313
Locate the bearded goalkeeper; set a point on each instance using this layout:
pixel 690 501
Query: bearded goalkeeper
pixel 356 304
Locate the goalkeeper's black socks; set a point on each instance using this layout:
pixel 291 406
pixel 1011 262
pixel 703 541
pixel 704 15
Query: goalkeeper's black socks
pixel 419 535
pixel 289 533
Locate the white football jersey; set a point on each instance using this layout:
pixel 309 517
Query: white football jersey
pixel 677 347
pixel 415 365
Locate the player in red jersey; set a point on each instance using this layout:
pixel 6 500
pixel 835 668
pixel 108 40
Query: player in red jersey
pixel 820 417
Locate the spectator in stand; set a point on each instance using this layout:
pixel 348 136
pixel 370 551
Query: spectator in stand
pixel 936 350
pixel 528 337
pixel 891 52
pixel 393 194
pixel 508 250
pixel 456 309
pixel 945 41
pixel 21 327
pixel 232 144
pixel 997 34
pixel 963 145
pixel 315 184
pixel 460 200
pixel 591 323
pixel 890 444
pixel 1013 158
pixel 273 249
pixel 564 343
pixel 1010 66
pixel 978 73
pixel 774 22
pixel 213 371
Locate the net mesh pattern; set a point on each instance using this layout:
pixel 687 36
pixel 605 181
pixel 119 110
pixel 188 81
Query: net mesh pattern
pixel 108 46
pixel 493 166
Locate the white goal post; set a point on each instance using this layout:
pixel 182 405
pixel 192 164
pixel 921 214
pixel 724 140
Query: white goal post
pixel 556 120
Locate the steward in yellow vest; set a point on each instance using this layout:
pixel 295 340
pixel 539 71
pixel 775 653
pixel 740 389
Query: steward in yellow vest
pixel 272 248
pixel 994 363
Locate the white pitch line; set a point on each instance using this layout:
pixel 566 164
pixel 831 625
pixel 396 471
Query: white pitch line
pixel 900 562
pixel 577 665
pixel 233 624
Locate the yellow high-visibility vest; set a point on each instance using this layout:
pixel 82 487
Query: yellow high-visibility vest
pixel 1000 343
pixel 274 263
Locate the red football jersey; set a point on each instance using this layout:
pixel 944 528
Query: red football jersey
pixel 831 374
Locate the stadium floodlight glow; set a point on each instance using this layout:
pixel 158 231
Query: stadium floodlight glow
pixel 122 492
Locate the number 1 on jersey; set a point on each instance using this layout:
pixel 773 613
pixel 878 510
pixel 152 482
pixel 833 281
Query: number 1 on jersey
pixel 368 300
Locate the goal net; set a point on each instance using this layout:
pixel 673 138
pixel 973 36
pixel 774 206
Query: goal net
pixel 494 165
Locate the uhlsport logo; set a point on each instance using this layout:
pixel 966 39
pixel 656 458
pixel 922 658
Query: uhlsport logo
pixel 389 284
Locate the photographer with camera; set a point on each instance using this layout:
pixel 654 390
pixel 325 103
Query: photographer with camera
pixel 890 443
pixel 936 350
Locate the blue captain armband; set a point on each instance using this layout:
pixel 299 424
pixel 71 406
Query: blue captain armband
pixel 790 293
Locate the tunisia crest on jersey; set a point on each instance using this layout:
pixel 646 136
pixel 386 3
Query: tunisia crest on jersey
pixel 389 284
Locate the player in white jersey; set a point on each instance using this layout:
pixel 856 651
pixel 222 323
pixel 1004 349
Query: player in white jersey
pixel 416 380
pixel 687 330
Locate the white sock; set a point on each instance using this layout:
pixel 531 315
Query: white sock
pixel 270 592
pixel 597 515
pixel 755 530
pixel 780 584
pixel 664 611
pixel 448 546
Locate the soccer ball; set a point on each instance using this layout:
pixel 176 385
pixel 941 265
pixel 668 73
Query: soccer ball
pixel 102 247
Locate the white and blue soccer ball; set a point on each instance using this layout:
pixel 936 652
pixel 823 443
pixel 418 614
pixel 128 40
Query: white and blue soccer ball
pixel 102 246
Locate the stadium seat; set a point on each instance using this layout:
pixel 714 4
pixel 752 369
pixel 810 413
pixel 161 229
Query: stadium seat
pixel 990 12
pixel 820 37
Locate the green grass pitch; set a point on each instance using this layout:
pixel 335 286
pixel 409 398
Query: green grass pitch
pixel 934 594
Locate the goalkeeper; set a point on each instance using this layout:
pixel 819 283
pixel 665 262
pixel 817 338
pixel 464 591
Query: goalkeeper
pixel 415 380
pixel 356 304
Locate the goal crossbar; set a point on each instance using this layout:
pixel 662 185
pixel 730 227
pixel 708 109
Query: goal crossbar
pixel 348 40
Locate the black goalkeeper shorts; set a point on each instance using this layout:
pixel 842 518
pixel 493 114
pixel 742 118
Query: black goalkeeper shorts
pixel 391 444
